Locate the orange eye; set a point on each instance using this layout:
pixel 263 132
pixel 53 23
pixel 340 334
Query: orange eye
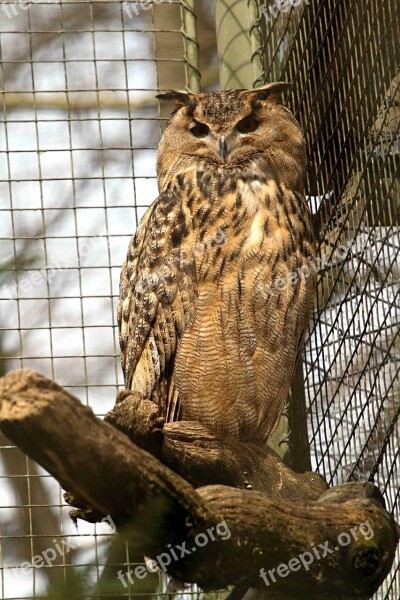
pixel 199 130
pixel 247 125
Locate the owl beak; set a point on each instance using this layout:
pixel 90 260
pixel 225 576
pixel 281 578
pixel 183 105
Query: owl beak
pixel 223 148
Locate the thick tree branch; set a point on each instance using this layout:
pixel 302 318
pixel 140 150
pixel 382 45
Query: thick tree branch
pixel 193 452
pixel 99 465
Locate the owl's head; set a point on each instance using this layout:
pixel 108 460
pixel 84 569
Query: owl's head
pixel 232 130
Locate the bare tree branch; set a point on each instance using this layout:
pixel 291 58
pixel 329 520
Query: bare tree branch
pixel 100 465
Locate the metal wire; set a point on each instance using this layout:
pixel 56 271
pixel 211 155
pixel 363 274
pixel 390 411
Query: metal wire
pixel 79 130
pixel 343 61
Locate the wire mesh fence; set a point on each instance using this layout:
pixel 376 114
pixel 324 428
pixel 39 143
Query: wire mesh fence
pixel 79 132
pixel 343 60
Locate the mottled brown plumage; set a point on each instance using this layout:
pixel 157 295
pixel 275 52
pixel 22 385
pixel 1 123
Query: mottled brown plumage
pixel 209 330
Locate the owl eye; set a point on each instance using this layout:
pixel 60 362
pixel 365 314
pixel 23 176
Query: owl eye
pixel 199 130
pixel 247 125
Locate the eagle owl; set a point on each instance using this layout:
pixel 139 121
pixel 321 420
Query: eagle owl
pixel 217 289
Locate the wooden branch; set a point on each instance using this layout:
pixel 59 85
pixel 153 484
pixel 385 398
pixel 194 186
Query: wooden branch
pixel 195 453
pixel 270 534
pixel 105 470
pixel 139 420
pixel 99 465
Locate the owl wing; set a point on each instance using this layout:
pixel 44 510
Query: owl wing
pixel 157 297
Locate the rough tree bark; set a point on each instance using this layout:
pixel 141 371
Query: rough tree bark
pixel 103 469
pixel 196 454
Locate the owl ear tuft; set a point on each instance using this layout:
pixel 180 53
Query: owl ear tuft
pixel 177 97
pixel 270 91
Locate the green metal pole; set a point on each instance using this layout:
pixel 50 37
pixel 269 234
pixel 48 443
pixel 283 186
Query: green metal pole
pixel 191 52
pixel 257 54
pixel 239 43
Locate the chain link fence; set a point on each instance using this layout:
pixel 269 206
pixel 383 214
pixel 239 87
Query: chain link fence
pixel 343 61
